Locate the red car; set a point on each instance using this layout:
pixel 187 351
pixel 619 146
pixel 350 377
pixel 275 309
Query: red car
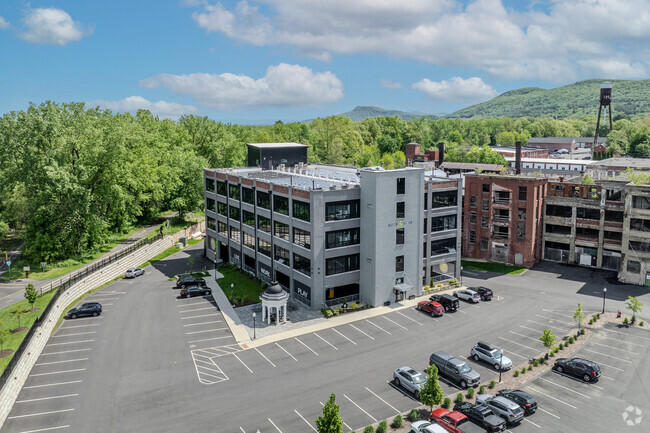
pixel 431 307
pixel 454 422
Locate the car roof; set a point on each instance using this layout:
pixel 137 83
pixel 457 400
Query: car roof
pixel 485 345
pixel 508 403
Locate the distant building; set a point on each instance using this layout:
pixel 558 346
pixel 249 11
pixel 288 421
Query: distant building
pixel 466 167
pixel 614 166
pixel 271 155
pixel 413 155
pixel 568 143
pixel 526 152
pixel 550 164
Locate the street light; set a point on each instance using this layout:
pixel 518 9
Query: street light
pixel 254 326
pixel 500 365
pixel 604 294
pixel 232 291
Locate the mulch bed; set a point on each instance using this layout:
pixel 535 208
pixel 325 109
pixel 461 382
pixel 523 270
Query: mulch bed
pixel 5 353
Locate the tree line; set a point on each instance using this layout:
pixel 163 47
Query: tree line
pixel 72 176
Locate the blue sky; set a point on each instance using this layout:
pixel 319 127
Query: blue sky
pixel 260 61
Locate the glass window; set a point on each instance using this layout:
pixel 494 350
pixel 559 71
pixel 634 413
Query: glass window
pixel 633 266
pixel 342 210
pixel 444 223
pixel 472 201
pixel 210 204
pixel 223 228
pixel 281 204
pixel 523 191
pixel 281 255
pixel 212 223
pixel 235 234
pixel 486 187
pixel 221 188
pixel 209 184
pixel 301 210
pixel 302 238
pixel 222 209
pixel 484 243
pixel 264 224
pixel 338 265
pixel 485 205
pixel 484 222
pixel 247 195
pixel 444 199
pixel 234 213
pixel 233 191
pixel 342 238
pixel 521 230
pixel 424 250
pixel 472 237
pixel 400 210
pixel 248 218
pixel 443 246
pixel 425 225
pixel 281 230
pixel 264 247
pixel 399 264
pixel 426 201
pixel 263 200
pixel 249 240
pixel 472 217
pixel 302 264
pixel 399 236
pixel 521 214
pixel 401 185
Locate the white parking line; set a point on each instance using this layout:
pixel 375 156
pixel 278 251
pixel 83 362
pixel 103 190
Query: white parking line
pixel 388 404
pixel 606 377
pixel 188 303
pixel 286 352
pixel 510 352
pixel 609 356
pixel 39 413
pixel 66 351
pixel 548 413
pixel 546 325
pixel 79 326
pixel 407 317
pixel 610 366
pixel 526 336
pixel 346 426
pixel 625 335
pixel 242 362
pixel 103 299
pixel 61 362
pixel 198 309
pixel 265 357
pixel 618 339
pixel 46 398
pixel 565 388
pixel 530 329
pixel 461 311
pixel 70 342
pixel 559 314
pixel 372 338
pixel 51 384
pixel 276 427
pixel 334 329
pixel 72 335
pixel 333 347
pixel 206 339
pixel 46 429
pixel 550 396
pixel 196 317
pixel 397 324
pixel 308 423
pixel 203 323
pixel 552 320
pixel 614 348
pixel 242 430
pixel 312 350
pixel 519 344
pixel 360 408
pixel 525 419
pixel 57 372
pixel 207 330
pixel 378 327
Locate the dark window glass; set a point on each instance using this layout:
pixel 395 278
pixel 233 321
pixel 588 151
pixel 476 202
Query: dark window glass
pixel 472 237
pixel 484 222
pixel 234 191
pixel 212 223
pixel 612 215
pixel 472 217
pixel 342 238
pixel 281 204
pixel 248 218
pixel 426 201
pixel 424 249
pixel 222 209
pixel 281 230
pixel 485 205
pixel 301 210
pixel 472 201
pixel 444 199
pixel 523 192
pixel 281 255
pixel 633 267
pixel 264 224
pixel 521 214
pixel 234 213
pixel 209 184
pixel 302 238
pixel 399 236
pixel 248 195
pixel 302 264
pixel 444 223
pixel 338 265
pixel 264 247
pixel 521 230
pixel 400 210
pixel 484 243
pixel 399 264
pixel 425 225
pixel 401 185
pixel 342 210
pixel 263 200
pixel 210 204
pixel 443 246
pixel 221 188
pixel 223 228
pixel 486 187
pixel 587 213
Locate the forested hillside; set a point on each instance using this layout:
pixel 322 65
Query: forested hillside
pixel 70 176
pixel 575 100
pixel 361 112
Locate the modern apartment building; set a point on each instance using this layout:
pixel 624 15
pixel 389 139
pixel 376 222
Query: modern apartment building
pixel 329 233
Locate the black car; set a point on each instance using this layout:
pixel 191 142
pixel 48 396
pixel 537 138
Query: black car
pixel 190 280
pixel 481 415
pixel 582 368
pixel 85 310
pixel 485 293
pixel 523 399
pixel 188 292
pixel 448 302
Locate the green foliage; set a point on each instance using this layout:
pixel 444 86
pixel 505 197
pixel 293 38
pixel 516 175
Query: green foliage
pixel 626 322
pixel 414 415
pixel 530 367
pixel 459 398
pixel 536 363
pixel 641 323
pixel 4 229
pixel 547 338
pixel 481 389
pixel 492 384
pixel 31 294
pixel 398 422
pixel 470 392
pixel 382 427
pixel 369 429
pixel 4 334
pixel 587 180
pixel 633 304
pixel 330 421
pixel 516 374
pixel 446 403
pixel 579 315
pixel 582 332
pixel 561 346
pixel 431 393
pixel 523 370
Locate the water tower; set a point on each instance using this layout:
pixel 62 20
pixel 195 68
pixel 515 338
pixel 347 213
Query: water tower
pixel 605 102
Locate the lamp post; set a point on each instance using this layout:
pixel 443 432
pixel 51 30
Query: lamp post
pixel 254 325
pixel 500 365
pixel 604 295
pixel 232 291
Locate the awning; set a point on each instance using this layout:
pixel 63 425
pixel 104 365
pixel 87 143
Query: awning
pixel 403 287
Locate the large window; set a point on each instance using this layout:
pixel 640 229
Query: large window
pixel 400 210
pixel 588 213
pixel 338 265
pixel 443 246
pixel 401 185
pixel 633 267
pixel 426 201
pixel 263 200
pixel 444 199
pixel 281 230
pixel 302 238
pixel 233 191
pixel 302 264
pixel 523 192
pixel 484 243
pixel 248 218
pixel 281 255
pixel 342 210
pixel 212 223
pixel 472 201
pixel 342 238
pixel 485 205
pixel 210 204
pixel 234 213
pixel 399 264
pixel 399 236
pixel 247 195
pixel 221 188
pixel 222 228
pixel 264 247
pixel 249 240
pixel 472 237
pixel 209 184
pixel 235 234
pixel 447 222
pixel 281 204
pixel 301 210
pixel 222 209
pixel 264 224
pixel 472 217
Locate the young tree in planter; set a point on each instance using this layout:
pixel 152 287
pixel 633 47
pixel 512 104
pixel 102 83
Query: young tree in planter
pixel 4 334
pixel 331 421
pixel 579 315
pixel 548 339
pixel 431 393
pixel 31 294
pixel 633 304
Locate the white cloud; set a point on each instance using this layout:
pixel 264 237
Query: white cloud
pixel 456 89
pixel 389 84
pixel 51 26
pixel 164 109
pixel 283 86
pixel 559 41
pixel 4 24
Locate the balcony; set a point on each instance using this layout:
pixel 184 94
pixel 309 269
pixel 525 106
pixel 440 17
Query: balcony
pixel 501 218
pixel 502 199
pixel 500 234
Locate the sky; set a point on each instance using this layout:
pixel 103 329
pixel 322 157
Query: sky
pixel 259 61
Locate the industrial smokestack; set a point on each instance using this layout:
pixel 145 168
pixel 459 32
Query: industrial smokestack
pixel 518 157
pixel 441 153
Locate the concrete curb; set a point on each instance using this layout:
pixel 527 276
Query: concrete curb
pixel 231 318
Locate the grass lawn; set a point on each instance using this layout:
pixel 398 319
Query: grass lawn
pixel 243 285
pixel 498 268
pixel 10 318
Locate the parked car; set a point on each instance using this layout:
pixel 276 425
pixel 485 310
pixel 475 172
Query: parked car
pixel 481 415
pixel 85 310
pixel 525 401
pixel 506 409
pixel 133 272
pixel 494 356
pixel 448 302
pixel 454 422
pixel 587 370
pixel 190 291
pixel 410 379
pixel 190 280
pixel 426 427
pixel 485 293
pixel 454 368
pixel 468 295
pixel 431 307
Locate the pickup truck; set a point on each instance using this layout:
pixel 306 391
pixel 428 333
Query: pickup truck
pixel 447 301
pixel 454 422
pixel 454 368
pixel 481 415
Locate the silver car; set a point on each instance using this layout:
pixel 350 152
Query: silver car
pixel 510 411
pixel 494 356
pixel 426 427
pixel 133 272
pixel 468 295
pixel 410 379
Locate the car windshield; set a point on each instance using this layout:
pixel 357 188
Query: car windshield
pixel 465 368
pixel 419 378
pixel 497 354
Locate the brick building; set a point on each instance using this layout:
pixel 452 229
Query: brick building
pixel 526 152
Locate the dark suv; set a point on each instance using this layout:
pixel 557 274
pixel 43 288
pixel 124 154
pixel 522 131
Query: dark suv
pixel 485 293
pixel 87 309
pixel 526 401
pixel 449 302
pixel 190 280
pixel 482 415
pixel 585 369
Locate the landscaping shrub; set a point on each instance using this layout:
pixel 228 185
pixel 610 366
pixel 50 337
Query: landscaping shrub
pixel 641 323
pixel 530 367
pixel 369 429
pixel 591 321
pixel 459 398
pixel 552 354
pixel 481 389
pixel 582 332
pixel 541 360
pixel 446 403
pixel 561 346
pixel 382 427
pixel 414 415
pixel 536 363
pixel 354 306
pixel 398 421
pixel 523 370
pixel 492 384
pixel 470 393
pixel 571 340
pixel 516 373
pixel 597 316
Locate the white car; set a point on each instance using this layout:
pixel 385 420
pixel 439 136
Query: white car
pixel 426 427
pixel 133 272
pixel 468 295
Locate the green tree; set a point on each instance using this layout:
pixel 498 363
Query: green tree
pixel 4 229
pixel 634 305
pixel 331 421
pixel 31 294
pixel 547 338
pixel 506 138
pixel 431 393
pixel 4 335
pixel 579 315
pixel 587 180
